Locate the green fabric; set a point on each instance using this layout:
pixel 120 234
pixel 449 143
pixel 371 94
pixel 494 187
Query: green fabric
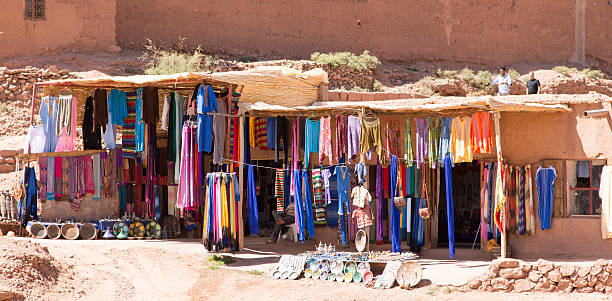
pixel 434 140
pixel 408 144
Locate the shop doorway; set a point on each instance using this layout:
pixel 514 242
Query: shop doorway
pixel 466 203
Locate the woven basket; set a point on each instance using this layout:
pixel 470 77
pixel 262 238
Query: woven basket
pixel 38 230
pixel 70 231
pixel 88 231
pixel 54 231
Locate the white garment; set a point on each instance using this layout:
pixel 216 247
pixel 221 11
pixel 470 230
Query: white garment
pixel 35 140
pixel 605 193
pixel 165 110
pixel 361 196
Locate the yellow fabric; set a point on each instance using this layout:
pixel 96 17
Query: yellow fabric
pixel 605 193
pixel 252 131
pixel 224 217
pixel 206 208
pixel 461 142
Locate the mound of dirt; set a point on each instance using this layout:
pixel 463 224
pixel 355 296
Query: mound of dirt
pixel 26 267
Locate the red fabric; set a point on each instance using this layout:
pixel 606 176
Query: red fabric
pixel 236 151
pixel 402 168
pixel 363 216
pixel 386 187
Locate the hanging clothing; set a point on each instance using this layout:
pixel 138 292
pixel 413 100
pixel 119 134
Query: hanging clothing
pixel 343 184
pixel 530 219
pixel 481 133
pixel 391 136
pixel 271 133
pixel 422 145
pixel 282 138
pixel 252 132
pixel 100 107
pixel 379 200
pixel 521 214
pixel 166 111
pixel 448 181
pixel 150 105
pixel 308 205
pixel 219 134
pixel 408 157
pixel 372 139
pixel 30 209
pixel 395 214
pixel 361 171
pixel 279 192
pixel 461 146
pixel 353 136
pixel 48 114
pixel 325 140
pixel 326 175
pixel 152 173
pixel 261 135
pixel 67 138
pixel 605 193
pixel 299 205
pixel 545 183
pixel 186 198
pixel 128 133
pixel 252 202
pixel 311 138
pixel 206 103
pixel 92 134
pixel 117 105
pixel 341 137
pixel 445 140
pixel 140 124
pixel 434 138
pixel 110 138
pixel 317 191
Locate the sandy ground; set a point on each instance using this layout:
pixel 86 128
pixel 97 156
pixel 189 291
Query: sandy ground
pixel 179 270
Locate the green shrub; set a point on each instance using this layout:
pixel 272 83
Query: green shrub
pixel 348 59
pixel 247 59
pixel 514 75
pixel 446 73
pixel 427 84
pixel 358 89
pixel 467 75
pixel 163 61
pixel 255 272
pixel 219 259
pixel 483 79
pixel 377 86
pixel 564 70
pixel 593 74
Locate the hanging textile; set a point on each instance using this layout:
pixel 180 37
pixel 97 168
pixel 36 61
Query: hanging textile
pixel 309 218
pixel 67 138
pixel 521 207
pixel 151 179
pixel 219 226
pixel 186 198
pixel 511 197
pixel 341 134
pixel 282 138
pixel 461 146
pixel 139 136
pixel 219 134
pixel 343 183
pixel 448 177
pixel 408 157
pixel 206 103
pixel 252 202
pixel 299 205
pixel 271 133
pixel 353 136
pixel 530 219
pixel 395 213
pixel 128 133
pixel 109 133
pixel 325 141
pixel 317 191
pixel 92 134
pixel 100 107
pixel 379 200
pixel 371 139
pixel 445 142
pixel 326 175
pixel 311 139
pixel 29 208
pixel 605 193
pixel 48 114
pixel 545 184
pixel 481 133
pixel 391 135
pixel 422 145
pixel 117 105
pixel 434 138
pixel 279 192
pixel 261 135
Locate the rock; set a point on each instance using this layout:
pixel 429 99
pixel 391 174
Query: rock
pixel 608 290
pixel 523 285
pixel 596 269
pixel 586 289
pixel 508 263
pixel 603 277
pixel 543 286
pixel 474 284
pixel 114 49
pixel 554 276
pixel 12 87
pixel 600 287
pixel 493 273
pixel 64 71
pixel 583 271
pixel 565 285
pixel 500 284
pixel 534 276
pixel 601 262
pixel 513 273
pixel 580 282
pixel 11 96
pixel 525 267
pixel 52 69
pixel 592 280
pixel 544 266
pixel 566 270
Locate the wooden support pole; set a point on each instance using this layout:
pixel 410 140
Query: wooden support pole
pixel 241 170
pixel 497 117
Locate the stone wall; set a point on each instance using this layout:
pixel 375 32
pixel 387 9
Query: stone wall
pixel 16 84
pixel 70 25
pixel 481 31
pixel 505 275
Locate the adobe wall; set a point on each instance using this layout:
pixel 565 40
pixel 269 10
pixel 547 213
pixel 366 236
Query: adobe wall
pixel 70 25
pixel 475 31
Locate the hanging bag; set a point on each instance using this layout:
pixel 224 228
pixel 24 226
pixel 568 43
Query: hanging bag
pixel 399 201
pixel 424 211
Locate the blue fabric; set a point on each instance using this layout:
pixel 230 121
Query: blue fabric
pixel 252 202
pixel 50 179
pixel 313 128
pixel 117 105
pixel 395 213
pixel 545 182
pixel 308 205
pixel 122 198
pixel 236 190
pixel 445 143
pixel 206 102
pixel 157 213
pixel 299 206
pixel 211 199
pixel 48 114
pixel 140 125
pixel 343 176
pixel 287 187
pixel 271 132
pixel 31 196
pixel 448 176
pixel 110 138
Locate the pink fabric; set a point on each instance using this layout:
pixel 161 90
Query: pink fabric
pixel 65 142
pixel 186 194
pixel 325 144
pixel 294 156
pixel 89 182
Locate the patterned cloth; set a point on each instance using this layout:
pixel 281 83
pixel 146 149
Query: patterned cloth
pixel 317 189
pixel 408 144
pixel 325 140
pixel 279 191
pixel 521 218
pixel 128 136
pixel 434 141
pixel 341 132
pixel 261 136
pixel 42 192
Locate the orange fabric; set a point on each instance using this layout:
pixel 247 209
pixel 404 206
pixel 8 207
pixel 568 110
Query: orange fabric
pixel 481 134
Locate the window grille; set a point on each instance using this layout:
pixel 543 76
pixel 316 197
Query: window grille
pixel 35 10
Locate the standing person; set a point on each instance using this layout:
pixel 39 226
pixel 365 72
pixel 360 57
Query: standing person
pixel 503 82
pixel 533 85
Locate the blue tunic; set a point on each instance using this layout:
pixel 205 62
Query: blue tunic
pixel 545 182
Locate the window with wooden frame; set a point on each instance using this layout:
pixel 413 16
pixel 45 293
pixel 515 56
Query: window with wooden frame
pixel 583 186
pixel 35 10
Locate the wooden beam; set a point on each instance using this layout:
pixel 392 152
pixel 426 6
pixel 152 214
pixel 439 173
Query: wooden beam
pixel 241 171
pixel 496 118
